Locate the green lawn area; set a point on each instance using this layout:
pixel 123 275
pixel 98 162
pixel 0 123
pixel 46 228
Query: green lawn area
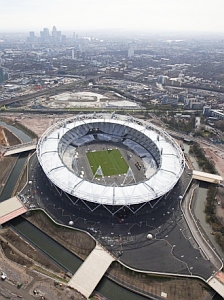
pixel 111 162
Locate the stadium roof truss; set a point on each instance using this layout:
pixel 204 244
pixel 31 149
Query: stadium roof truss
pixel 77 131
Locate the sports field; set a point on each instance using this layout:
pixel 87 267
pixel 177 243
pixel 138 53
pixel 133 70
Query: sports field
pixel 111 162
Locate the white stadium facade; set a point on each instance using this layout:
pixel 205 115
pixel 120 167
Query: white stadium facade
pixel 61 154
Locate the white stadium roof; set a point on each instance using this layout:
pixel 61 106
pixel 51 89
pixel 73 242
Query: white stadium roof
pixel 171 162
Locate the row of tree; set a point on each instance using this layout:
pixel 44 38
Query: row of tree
pixel 211 216
pixel 181 124
pixel 211 202
pixel 204 163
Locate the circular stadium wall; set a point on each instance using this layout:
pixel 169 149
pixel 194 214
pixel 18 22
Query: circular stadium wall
pixel 63 153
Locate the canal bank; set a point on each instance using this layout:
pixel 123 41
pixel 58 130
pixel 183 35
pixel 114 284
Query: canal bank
pixel 18 164
pixel 122 296
pixel 199 202
pixel 51 248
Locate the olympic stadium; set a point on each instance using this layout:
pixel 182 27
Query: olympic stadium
pixel 112 161
pixel 121 180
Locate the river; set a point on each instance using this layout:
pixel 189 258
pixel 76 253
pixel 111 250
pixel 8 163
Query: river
pixel 51 248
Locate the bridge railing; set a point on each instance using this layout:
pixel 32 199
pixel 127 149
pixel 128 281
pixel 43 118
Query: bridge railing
pixel 33 142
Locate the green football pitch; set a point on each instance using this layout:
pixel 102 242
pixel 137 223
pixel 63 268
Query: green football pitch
pixel 111 162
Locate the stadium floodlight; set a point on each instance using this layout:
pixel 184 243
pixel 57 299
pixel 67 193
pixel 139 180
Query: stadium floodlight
pixel 129 174
pixel 99 172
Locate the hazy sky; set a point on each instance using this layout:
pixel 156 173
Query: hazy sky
pixel 150 15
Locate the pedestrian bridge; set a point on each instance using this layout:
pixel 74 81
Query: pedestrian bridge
pixel 217 283
pixel 10 209
pixel 203 176
pixel 91 271
pixel 20 148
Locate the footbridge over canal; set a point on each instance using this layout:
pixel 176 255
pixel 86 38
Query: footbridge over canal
pixel 20 148
pixel 91 271
pixel 207 177
pixel 10 209
pixel 217 283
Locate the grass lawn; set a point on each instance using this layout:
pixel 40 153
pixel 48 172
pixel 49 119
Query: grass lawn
pixel 111 162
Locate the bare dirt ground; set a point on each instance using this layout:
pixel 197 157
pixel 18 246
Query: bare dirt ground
pixel 31 255
pixel 220 205
pixel 216 157
pixel 6 166
pixel 7 138
pixel 15 272
pixel 3 139
pixel 20 252
pixel 6 163
pixel 26 265
pixel 79 243
pixel 176 289
pixel 37 123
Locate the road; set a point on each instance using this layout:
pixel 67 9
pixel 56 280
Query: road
pixel 194 139
pixel 48 91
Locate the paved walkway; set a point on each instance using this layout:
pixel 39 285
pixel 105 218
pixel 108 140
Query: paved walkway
pixel 11 208
pixel 91 271
pixel 217 283
pixel 207 177
pixel 20 148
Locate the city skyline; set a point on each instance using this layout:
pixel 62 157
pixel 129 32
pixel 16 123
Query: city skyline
pixel 141 15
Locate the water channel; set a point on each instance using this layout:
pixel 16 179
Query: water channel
pixel 7 191
pixel 199 205
pixel 51 248
pixel 66 259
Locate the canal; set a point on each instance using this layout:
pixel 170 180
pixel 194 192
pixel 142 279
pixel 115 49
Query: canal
pixel 199 205
pixel 47 245
pixel 8 188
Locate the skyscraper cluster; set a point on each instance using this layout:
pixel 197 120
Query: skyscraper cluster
pixel 3 75
pixel 46 37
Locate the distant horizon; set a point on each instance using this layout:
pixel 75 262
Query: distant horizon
pixel 117 31
pixel 137 15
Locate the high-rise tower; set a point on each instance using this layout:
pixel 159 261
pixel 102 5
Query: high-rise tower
pixel 1 75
